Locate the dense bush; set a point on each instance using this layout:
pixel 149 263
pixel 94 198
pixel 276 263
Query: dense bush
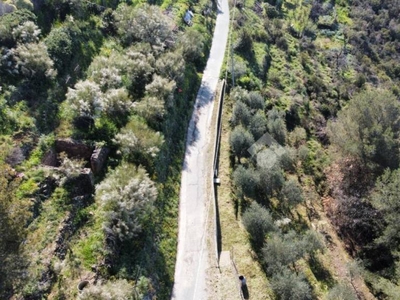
pixel 246 180
pixel 118 289
pixel 9 22
pixel 126 197
pixel 240 141
pixel 341 292
pixel 291 193
pixel 258 222
pixel 146 23
pixel 137 142
pixel 290 286
pixel 368 129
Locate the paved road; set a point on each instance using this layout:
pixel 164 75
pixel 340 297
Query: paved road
pixel 192 263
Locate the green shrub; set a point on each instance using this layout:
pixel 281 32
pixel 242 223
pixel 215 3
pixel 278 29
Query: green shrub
pixel 291 194
pixel 290 286
pixel 240 141
pixel 341 292
pixel 246 181
pixel 240 115
pixel 126 198
pixel 258 222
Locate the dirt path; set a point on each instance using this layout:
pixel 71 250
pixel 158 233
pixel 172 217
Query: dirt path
pixel 192 258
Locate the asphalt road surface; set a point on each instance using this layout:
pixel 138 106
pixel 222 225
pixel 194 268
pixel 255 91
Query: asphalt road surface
pixel 192 258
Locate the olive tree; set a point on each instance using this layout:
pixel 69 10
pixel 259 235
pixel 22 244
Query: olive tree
pixel 288 285
pixel 240 141
pixel 191 44
pixel 126 199
pixel 291 194
pixel 277 126
pixel 137 139
pixel 162 88
pixel 240 114
pixel 258 222
pixel 282 250
pixel 146 23
pixel 246 180
pixel 27 32
pixel 87 100
pixel 258 124
pixel 33 61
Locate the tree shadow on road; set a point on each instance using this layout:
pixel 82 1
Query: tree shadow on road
pixel 204 96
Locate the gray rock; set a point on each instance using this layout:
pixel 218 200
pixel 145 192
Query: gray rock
pixel 74 149
pixel 50 159
pixel 98 159
pixel 6 8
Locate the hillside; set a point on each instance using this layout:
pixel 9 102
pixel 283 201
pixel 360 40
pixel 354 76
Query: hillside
pixel 95 100
pixel 313 115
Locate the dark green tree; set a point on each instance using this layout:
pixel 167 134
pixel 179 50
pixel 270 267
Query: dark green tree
pixel 246 180
pixel 277 126
pixel 258 222
pixel 287 285
pixel 240 141
pixel 240 115
pixel 258 124
pixel 386 198
pixel 369 129
pixel 291 194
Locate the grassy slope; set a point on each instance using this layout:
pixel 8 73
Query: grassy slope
pixel 329 267
pixel 86 244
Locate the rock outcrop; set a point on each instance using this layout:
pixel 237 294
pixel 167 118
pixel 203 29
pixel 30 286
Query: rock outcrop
pixel 73 148
pixel 98 159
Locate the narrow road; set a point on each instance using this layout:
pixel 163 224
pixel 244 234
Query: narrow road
pixel 192 258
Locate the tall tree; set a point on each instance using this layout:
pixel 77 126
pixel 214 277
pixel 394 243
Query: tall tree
pixel 369 129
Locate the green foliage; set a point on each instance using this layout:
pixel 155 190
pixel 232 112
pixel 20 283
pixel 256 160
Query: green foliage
pixel 14 214
pixel 291 194
pixel 240 141
pixel 117 289
pixel 240 115
pixel 276 126
pixel 258 222
pixel 368 129
pixel 126 198
pixel 10 21
pixel 290 286
pixel 146 23
pixel 386 199
pixel 60 47
pixel 137 142
pixel 341 292
pixel 91 249
pixel 246 180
